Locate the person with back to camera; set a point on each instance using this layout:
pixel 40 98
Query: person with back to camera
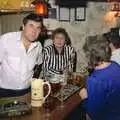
pixel 101 96
pixel 19 53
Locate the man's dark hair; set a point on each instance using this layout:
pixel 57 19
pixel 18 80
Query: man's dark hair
pixel 113 37
pixel 115 41
pixel 34 17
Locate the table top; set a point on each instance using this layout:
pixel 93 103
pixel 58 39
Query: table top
pixel 56 112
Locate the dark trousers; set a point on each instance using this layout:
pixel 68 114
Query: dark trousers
pixel 78 113
pixel 13 93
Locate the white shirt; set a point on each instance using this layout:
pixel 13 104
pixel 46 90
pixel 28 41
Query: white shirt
pixel 48 42
pixel 116 56
pixel 16 65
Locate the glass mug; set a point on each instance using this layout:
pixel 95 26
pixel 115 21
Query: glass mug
pixel 37 92
pixel 54 80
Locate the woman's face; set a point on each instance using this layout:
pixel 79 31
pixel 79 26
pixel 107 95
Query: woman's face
pixel 59 40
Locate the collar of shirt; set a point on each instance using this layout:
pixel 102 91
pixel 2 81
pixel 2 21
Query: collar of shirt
pixel 116 51
pixel 116 56
pixel 56 52
pixel 33 45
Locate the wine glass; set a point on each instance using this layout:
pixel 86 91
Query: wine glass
pixel 55 87
pixel 47 108
pixel 63 83
pixel 47 102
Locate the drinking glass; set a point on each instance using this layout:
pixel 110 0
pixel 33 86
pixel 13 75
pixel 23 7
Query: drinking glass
pixel 55 87
pixel 63 83
pixel 47 108
pixel 47 102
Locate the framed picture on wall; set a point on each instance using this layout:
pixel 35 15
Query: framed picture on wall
pixel 64 14
pixel 72 14
pixel 80 14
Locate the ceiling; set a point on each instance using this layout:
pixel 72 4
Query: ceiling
pixel 14 6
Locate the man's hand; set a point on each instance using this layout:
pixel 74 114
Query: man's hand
pixel 37 70
pixel 83 93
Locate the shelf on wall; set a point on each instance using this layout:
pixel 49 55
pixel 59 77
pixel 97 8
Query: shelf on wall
pixel 15 11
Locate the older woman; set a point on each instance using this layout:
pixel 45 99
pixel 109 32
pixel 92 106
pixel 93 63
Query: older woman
pixel 59 56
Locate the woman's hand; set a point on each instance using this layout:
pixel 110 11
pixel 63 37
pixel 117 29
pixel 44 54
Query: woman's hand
pixel 83 93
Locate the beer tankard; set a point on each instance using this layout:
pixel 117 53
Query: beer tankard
pixel 37 92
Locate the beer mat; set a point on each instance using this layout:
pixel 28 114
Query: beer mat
pixel 68 90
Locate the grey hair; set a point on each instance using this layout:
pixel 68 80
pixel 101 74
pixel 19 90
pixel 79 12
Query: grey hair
pixel 96 49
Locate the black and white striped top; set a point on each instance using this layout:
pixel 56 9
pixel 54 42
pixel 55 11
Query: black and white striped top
pixel 54 62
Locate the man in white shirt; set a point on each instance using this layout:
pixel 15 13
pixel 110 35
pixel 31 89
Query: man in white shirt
pixel 113 38
pixel 19 53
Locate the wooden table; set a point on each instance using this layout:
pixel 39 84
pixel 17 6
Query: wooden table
pixel 57 113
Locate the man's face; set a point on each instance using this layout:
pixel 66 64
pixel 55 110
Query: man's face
pixel 32 30
pixel 59 40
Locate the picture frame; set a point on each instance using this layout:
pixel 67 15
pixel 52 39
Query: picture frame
pixel 64 14
pixel 72 14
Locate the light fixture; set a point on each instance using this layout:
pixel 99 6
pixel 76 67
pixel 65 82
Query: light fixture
pixel 41 7
pixel 113 12
pixel 115 7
